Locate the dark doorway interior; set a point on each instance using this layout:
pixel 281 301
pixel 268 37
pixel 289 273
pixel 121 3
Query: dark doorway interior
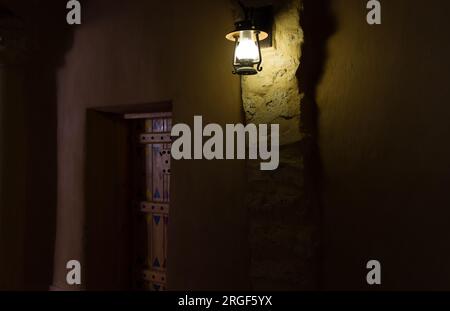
pixel 116 237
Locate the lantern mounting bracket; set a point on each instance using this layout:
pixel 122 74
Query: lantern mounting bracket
pixel 262 18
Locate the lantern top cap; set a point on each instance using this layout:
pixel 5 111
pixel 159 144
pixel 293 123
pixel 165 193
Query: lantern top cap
pixel 245 25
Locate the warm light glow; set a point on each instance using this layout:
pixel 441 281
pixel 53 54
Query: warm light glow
pixel 247 54
pixel 247 49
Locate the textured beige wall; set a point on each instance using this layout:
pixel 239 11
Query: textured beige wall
pixel 384 129
pixel 143 52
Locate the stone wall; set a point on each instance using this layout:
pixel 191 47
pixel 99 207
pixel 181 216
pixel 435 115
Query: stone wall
pixel 282 232
pixel 273 95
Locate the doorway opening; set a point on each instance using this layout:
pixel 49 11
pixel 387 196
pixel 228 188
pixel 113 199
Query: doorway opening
pixel 151 175
pixel 127 197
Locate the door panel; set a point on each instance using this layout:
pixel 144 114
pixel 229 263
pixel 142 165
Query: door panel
pixel 157 144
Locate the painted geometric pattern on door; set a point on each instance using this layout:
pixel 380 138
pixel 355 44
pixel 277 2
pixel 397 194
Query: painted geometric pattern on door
pixel 157 143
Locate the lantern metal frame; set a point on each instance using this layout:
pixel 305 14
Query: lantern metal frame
pixel 247 68
pixel 248 24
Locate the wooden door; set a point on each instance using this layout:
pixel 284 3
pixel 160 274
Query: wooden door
pixel 154 210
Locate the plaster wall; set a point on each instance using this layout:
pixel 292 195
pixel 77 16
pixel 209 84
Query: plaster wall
pixel 145 52
pixel 384 128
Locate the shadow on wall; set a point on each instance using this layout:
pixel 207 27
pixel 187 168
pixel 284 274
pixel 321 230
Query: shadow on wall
pixel 108 240
pixel 28 177
pixel 318 24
